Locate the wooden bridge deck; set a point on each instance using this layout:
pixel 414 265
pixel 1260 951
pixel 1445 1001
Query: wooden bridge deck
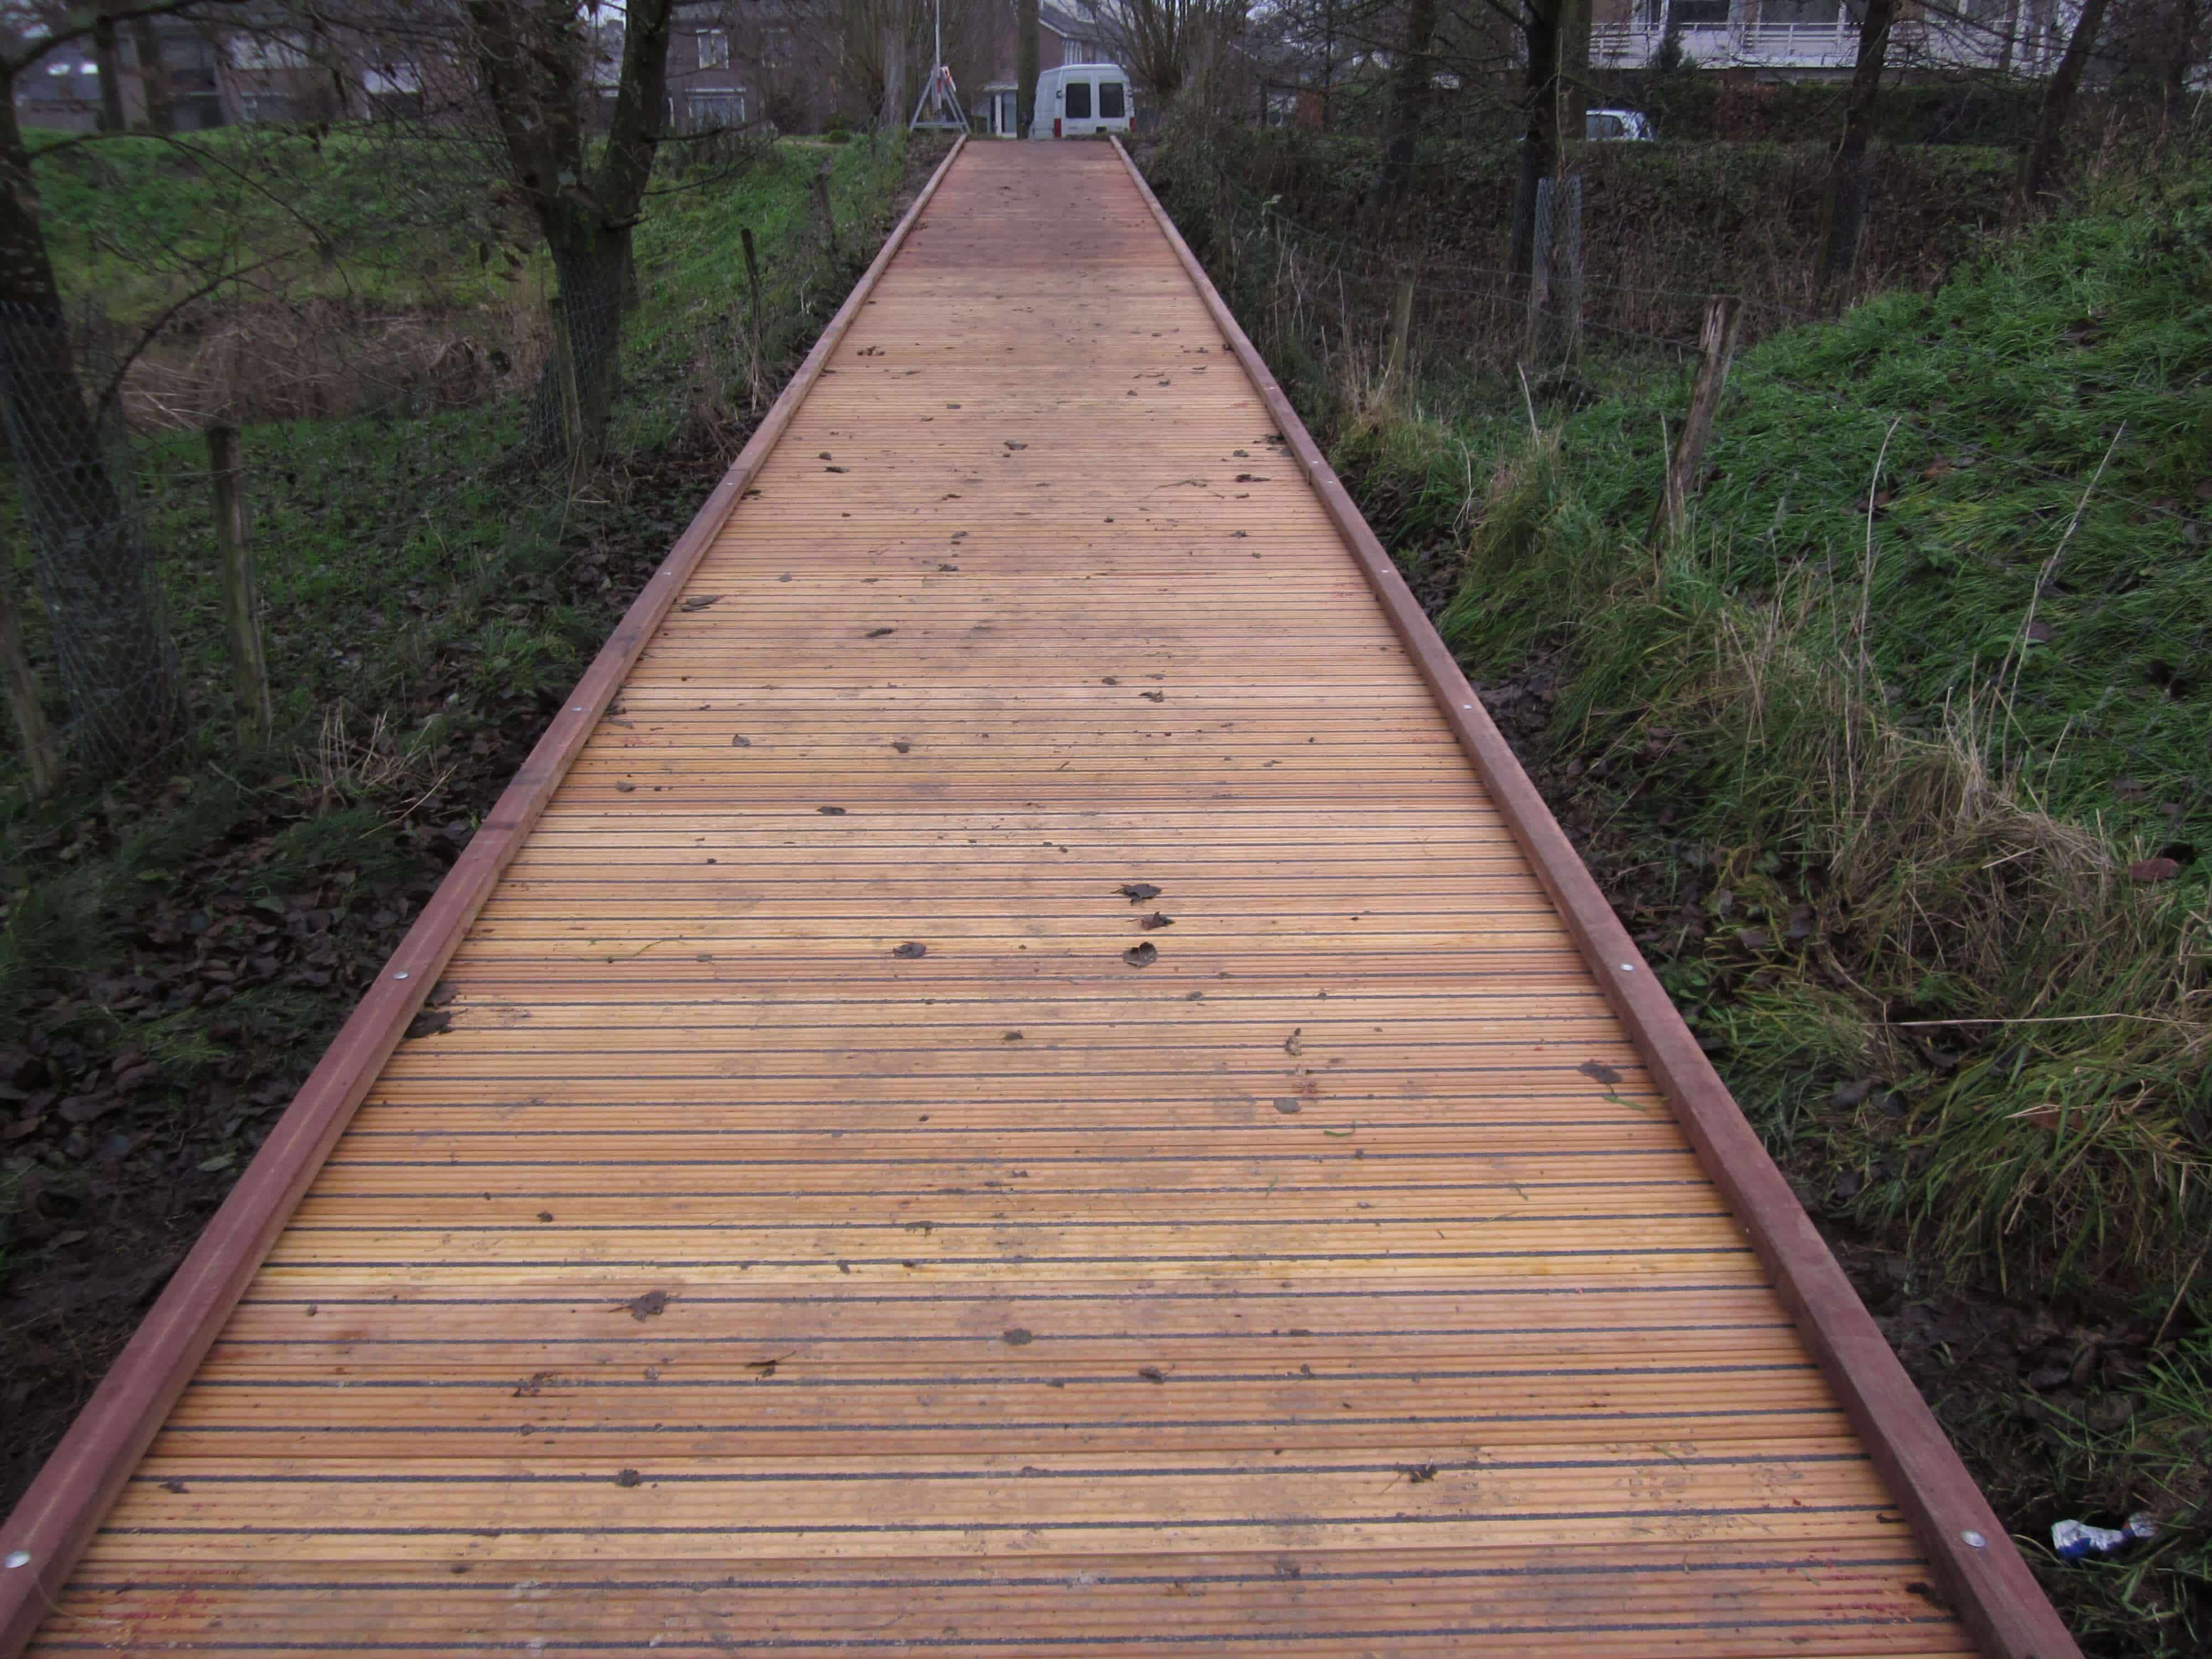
pixel 814 1234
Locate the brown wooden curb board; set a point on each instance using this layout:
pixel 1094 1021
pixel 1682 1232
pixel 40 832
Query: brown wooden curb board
pixel 71 1496
pixel 1991 1586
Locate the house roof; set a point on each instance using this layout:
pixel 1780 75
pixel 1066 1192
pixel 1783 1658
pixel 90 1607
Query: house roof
pixel 1064 22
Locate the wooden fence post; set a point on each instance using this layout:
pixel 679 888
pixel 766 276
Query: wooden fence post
pixel 1401 329
pixel 1716 348
pixel 242 593
pixel 40 759
pixel 829 214
pixel 759 342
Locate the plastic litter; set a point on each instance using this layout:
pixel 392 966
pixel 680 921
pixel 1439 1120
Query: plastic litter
pixel 2071 1541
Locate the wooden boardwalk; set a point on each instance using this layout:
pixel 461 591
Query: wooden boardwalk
pixel 1020 1098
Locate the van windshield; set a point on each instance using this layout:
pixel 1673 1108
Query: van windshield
pixel 1078 100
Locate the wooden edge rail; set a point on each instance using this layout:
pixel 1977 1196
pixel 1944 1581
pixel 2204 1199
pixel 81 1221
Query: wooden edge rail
pixel 50 1529
pixel 1990 1584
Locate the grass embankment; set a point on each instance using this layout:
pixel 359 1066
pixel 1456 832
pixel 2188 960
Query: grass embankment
pixel 1903 755
pixel 1897 762
pixel 176 950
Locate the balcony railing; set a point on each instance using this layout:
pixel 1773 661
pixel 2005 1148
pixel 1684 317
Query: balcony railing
pixel 1935 43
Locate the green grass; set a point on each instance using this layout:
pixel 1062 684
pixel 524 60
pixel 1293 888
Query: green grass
pixel 1956 720
pixel 135 221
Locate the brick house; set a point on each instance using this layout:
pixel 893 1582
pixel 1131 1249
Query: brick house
pixel 1063 37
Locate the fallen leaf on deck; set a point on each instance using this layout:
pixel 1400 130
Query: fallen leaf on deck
pixel 1141 956
pixel 1598 1071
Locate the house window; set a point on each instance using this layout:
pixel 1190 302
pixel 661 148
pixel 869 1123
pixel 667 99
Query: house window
pixel 711 111
pixel 1109 100
pixel 266 52
pixel 714 50
pixel 1078 100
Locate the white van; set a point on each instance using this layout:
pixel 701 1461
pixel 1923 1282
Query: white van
pixel 1078 99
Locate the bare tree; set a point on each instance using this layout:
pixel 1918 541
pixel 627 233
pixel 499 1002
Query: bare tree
pixel 1844 214
pixel 1164 44
pixel 535 59
pixel 107 65
pixel 1542 142
pixel 2039 168
pixel 1409 98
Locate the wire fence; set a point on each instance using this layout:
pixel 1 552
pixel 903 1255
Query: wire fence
pixel 119 631
pixel 1356 308
pixel 78 508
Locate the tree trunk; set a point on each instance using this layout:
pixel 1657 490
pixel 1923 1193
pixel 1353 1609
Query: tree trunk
pixel 532 63
pixel 1027 51
pixel 1573 97
pixel 1843 216
pixel 894 113
pixel 1409 96
pixel 118 665
pixel 108 62
pixel 1539 141
pixel 2039 171
pixel 587 346
pixel 153 77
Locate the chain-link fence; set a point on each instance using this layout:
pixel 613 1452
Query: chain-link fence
pixel 77 506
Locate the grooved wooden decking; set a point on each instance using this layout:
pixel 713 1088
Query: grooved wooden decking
pixel 723 1280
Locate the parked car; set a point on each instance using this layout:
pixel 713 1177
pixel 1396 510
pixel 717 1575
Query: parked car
pixel 1078 100
pixel 1618 125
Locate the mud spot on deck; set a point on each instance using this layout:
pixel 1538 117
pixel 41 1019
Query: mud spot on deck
pixel 651 1305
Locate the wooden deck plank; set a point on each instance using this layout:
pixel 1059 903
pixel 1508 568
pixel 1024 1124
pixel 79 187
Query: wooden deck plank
pixel 1336 1283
